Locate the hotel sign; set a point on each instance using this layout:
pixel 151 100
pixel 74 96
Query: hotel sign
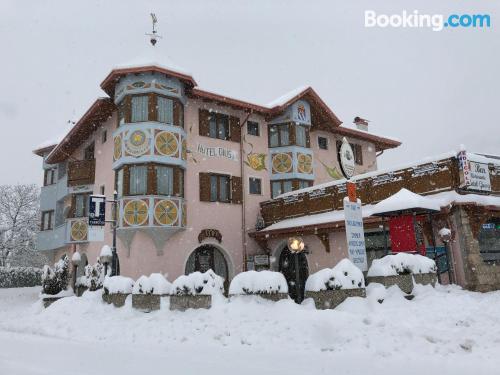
pixel 217 152
pixel 347 159
pixel 355 234
pixel 474 175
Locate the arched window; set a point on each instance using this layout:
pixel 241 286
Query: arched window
pixel 489 240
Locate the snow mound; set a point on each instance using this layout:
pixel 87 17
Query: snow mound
pixel 118 284
pixel 345 275
pixel 392 265
pixel 252 282
pixel 404 200
pixel 106 251
pixel 156 283
pixel 199 283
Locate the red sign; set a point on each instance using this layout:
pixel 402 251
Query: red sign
pixel 351 191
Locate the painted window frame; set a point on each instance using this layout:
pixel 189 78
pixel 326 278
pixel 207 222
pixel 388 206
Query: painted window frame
pixel 250 178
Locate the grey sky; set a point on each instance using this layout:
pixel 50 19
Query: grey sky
pixel 432 90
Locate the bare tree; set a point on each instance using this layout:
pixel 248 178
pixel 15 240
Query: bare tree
pixel 19 212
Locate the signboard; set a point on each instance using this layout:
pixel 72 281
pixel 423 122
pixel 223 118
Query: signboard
pixel 97 210
pixel 96 234
pixel 355 234
pixel 217 152
pixel 261 260
pixel 474 175
pixel 347 159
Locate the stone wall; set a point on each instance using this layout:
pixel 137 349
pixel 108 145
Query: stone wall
pixel 330 299
pixel 184 302
pixel 404 282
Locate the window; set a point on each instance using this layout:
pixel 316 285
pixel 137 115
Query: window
pixel 140 108
pixel 89 152
pixel 165 180
pixel 253 128
pixel 255 185
pixel 47 220
pixel 165 110
pixel 102 189
pixel 219 188
pixel 303 184
pixel 489 240
pixel 121 113
pixel 104 136
pixel 119 183
pixel 323 143
pixel 285 186
pixel 80 205
pixel 300 135
pixel 279 135
pixel 138 179
pixel 219 126
pixel 49 177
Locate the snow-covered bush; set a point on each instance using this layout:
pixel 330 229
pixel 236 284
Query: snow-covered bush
pixel 118 284
pixel 93 278
pixel 262 282
pixel 20 277
pixel 402 263
pixel 198 283
pixel 56 280
pixel 156 283
pixel 345 275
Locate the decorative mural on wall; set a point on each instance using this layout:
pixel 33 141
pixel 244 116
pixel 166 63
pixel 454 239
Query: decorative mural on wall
pixel 304 163
pixel 282 162
pixel 137 143
pixel 117 150
pixel 79 231
pixel 333 172
pixel 165 212
pixel 167 143
pixel 135 212
pixel 255 160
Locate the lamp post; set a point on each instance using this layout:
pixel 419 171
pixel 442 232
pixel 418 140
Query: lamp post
pixel 296 246
pixel 75 261
pixel 445 236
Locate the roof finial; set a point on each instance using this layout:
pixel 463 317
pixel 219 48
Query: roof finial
pixel 153 35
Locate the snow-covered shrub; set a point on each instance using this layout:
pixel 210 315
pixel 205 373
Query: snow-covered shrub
pixel 142 286
pixel 118 284
pixel 20 277
pixel 56 280
pixel 345 275
pixel 156 283
pixel 198 283
pixel 93 278
pixel 262 282
pixel 402 263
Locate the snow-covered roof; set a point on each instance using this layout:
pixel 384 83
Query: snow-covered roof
pixel 442 199
pixel 405 200
pixel 431 159
pixel 354 127
pixel 283 99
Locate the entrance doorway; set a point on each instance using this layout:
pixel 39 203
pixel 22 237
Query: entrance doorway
pixel 287 266
pixel 208 257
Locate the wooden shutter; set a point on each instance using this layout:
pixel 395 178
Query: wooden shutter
pixel 234 129
pixel 339 145
pixel 72 209
pixel 126 180
pixel 236 190
pixel 204 122
pixel 204 187
pixel 128 109
pixel 152 107
pixel 308 137
pixel 292 138
pixel 177 114
pixel 151 187
pixel 178 183
pixel 358 151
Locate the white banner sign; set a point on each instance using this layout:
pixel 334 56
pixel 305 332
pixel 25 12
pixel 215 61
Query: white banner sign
pixel 217 152
pixel 479 176
pixel 96 234
pixel 355 234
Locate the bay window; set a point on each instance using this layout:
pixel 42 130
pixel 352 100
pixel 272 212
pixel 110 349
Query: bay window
pixel 140 108
pixel 286 186
pixel 165 180
pixel 138 180
pixel 150 179
pixel 300 135
pixel 165 110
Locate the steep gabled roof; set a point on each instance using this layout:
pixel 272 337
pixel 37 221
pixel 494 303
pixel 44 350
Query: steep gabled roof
pixel 99 112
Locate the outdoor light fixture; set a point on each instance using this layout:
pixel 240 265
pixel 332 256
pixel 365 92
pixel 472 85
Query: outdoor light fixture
pixel 75 261
pixel 296 244
pixel 106 257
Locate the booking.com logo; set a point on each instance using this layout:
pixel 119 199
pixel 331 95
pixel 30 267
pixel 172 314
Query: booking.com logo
pixel 436 22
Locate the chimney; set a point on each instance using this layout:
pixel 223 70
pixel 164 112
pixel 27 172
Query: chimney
pixel 361 123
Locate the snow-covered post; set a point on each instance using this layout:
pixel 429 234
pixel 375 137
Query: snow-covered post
pixel 105 257
pixel 445 236
pixel 296 246
pixel 75 261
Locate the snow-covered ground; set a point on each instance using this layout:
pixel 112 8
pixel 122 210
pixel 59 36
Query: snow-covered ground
pixel 446 330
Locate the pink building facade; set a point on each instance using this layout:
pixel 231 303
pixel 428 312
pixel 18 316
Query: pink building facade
pixel 191 168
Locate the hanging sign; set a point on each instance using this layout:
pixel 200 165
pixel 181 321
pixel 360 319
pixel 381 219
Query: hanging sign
pixel 97 210
pixel 474 175
pixel 355 234
pixel 217 152
pixel 347 159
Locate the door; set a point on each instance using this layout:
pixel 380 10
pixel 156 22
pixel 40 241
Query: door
pixel 288 264
pixel 208 257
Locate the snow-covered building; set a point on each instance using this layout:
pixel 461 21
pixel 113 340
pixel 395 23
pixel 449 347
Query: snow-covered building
pixel 191 168
pixel 446 207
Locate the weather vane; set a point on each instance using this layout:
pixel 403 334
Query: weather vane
pixel 154 34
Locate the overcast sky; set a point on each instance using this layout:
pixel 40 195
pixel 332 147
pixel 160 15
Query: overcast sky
pixel 432 90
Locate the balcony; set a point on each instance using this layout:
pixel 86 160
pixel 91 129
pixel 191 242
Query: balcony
pixel 81 172
pixel 51 239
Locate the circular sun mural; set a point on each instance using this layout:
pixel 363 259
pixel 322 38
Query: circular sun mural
pixel 117 151
pixel 282 163
pixel 79 231
pixel 165 212
pixel 137 144
pixel 166 143
pixel 304 163
pixel 135 212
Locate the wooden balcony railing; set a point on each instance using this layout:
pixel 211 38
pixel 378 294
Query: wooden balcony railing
pixel 81 172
